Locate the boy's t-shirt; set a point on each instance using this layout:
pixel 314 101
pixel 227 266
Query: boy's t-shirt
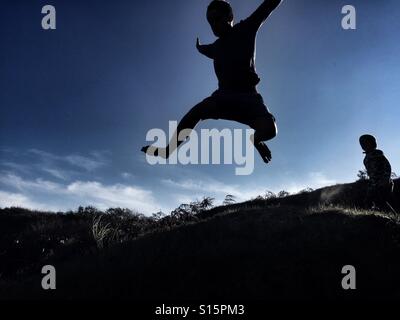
pixel 234 57
pixel 378 167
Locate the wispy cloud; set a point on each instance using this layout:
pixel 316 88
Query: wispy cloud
pixel 313 180
pixel 118 195
pixel 69 196
pixel 90 163
pixel 127 175
pixel 9 199
pixel 67 193
pixel 219 190
pixel 86 163
pixel 57 173
pixel 16 182
pixel 35 162
pixel 75 185
pixel 15 166
pixel 319 179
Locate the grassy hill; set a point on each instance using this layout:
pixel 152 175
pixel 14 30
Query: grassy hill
pixel 279 248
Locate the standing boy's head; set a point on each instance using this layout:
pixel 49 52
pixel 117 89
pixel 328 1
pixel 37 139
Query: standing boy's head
pixel 220 17
pixel 368 142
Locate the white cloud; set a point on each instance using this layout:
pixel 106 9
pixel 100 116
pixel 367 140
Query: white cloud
pixel 58 166
pixel 55 173
pixel 33 167
pixel 43 154
pixel 216 189
pixel 69 196
pixel 31 193
pixel 85 162
pixel 319 179
pixel 39 184
pixel 313 180
pixel 118 195
pixel 8 199
pixel 89 163
pixel 126 175
pixel 16 166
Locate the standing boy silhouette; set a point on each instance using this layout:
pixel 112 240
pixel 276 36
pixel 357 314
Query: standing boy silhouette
pixel 237 98
pixel 380 184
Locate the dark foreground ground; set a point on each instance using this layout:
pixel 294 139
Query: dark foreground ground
pixel 281 249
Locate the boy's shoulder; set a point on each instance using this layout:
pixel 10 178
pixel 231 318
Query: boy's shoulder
pixel 244 26
pixel 375 157
pixel 375 154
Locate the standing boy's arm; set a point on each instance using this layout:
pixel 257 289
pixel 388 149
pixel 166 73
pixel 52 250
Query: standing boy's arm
pixel 387 168
pixel 263 12
pixel 379 169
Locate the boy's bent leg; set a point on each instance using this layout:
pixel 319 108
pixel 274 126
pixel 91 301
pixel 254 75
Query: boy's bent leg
pixel 389 197
pixel 265 129
pixel 202 111
pixel 379 195
pixel 249 109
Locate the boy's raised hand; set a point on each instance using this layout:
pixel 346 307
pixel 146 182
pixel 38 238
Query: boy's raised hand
pixel 198 44
pixel 205 49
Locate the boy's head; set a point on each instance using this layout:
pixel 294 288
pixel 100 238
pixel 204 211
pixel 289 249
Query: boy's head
pixel 220 17
pixel 368 142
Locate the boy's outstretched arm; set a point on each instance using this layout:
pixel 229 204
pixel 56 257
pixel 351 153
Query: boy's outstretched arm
pixel 205 49
pixel 263 12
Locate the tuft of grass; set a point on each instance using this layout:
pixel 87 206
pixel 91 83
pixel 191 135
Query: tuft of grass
pixel 101 231
pixel 352 211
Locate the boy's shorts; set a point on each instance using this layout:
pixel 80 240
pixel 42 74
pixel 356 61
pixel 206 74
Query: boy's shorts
pixel 240 107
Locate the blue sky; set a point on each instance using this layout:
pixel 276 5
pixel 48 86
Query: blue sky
pixel 76 102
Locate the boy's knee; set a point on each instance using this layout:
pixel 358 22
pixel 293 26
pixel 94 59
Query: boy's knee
pixel 197 113
pixel 205 110
pixel 265 130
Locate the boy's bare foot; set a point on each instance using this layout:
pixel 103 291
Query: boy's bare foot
pixel 264 151
pixel 147 151
pixel 156 152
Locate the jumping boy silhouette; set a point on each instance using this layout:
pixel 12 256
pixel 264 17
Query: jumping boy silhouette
pixel 237 98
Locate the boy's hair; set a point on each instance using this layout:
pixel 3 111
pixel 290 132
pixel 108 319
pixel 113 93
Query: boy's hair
pixel 223 7
pixel 369 140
